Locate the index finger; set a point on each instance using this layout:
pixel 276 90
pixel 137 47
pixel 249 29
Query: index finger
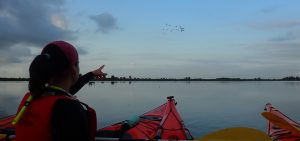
pixel 101 67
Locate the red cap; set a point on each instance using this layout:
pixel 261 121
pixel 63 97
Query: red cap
pixel 68 49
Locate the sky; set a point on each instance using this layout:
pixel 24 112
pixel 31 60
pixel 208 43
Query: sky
pixel 157 38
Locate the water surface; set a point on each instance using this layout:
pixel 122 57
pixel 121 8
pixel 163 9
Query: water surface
pixel 204 106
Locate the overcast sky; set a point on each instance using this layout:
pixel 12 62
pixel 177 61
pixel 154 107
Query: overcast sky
pixel 157 38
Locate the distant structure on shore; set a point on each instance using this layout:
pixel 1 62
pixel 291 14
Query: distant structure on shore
pixel 114 78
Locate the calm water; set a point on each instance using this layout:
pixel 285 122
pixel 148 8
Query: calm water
pixel 204 106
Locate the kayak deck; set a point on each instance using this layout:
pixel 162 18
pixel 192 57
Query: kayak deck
pixel 277 133
pixel 163 122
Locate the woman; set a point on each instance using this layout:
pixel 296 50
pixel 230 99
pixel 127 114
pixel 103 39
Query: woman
pixel 54 114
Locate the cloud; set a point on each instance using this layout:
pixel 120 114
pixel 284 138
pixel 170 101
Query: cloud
pixel 275 56
pixel 285 51
pixel 31 24
pixel 105 22
pixel 288 36
pixel 284 30
pixel 14 54
pixel 81 51
pixel 293 23
pixel 271 9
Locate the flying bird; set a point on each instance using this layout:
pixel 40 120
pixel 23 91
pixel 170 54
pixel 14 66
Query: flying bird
pixel 171 28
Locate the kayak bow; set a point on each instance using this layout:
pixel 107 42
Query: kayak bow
pixel 279 126
pixel 163 122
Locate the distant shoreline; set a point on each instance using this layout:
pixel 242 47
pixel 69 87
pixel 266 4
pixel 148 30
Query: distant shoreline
pixel 290 78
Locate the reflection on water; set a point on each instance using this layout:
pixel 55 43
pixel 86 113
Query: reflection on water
pixel 204 106
pixel 10 96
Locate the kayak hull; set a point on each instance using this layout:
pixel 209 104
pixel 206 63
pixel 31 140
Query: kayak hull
pixel 6 122
pixel 163 122
pixel 277 133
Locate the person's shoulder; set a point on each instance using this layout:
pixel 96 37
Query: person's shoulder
pixel 67 104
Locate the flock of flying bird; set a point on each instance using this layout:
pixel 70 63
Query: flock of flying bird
pixel 172 28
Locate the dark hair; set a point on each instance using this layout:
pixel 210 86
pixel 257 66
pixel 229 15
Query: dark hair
pixel 52 62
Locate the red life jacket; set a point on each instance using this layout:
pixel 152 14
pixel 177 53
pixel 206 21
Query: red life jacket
pixel 35 124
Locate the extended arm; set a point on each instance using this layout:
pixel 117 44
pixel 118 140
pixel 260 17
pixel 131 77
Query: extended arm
pixel 82 80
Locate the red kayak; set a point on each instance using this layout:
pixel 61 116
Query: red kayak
pixel 163 122
pixel 6 122
pixel 7 131
pixel 277 133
